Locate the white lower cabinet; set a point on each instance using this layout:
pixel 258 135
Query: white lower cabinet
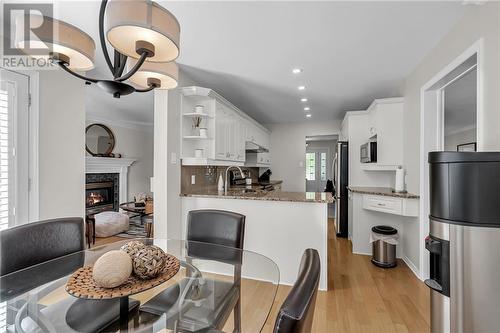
pixel 391 205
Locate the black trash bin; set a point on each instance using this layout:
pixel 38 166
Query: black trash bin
pixel 384 240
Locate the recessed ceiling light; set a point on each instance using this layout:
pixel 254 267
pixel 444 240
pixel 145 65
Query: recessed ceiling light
pixel 307 108
pixel 296 70
pixel 303 100
pixel 301 87
pixel 308 115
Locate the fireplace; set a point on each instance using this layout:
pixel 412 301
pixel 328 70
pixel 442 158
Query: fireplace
pixel 101 192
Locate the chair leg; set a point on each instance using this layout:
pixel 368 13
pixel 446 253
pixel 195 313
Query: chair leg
pixel 88 235
pixel 237 316
pixel 93 231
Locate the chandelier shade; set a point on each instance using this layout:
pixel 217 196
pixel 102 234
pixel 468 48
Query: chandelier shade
pixel 144 35
pixel 131 21
pixel 166 72
pixel 56 37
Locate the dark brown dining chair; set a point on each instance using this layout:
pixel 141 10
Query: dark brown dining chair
pixel 297 311
pixel 206 228
pixel 26 252
pixel 33 243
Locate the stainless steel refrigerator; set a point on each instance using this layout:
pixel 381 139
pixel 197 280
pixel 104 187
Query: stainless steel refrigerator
pixel 464 241
pixel 340 183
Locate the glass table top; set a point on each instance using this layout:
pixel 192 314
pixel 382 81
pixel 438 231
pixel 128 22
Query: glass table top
pixel 211 276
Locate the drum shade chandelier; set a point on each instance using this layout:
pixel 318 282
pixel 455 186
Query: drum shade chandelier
pixel 144 35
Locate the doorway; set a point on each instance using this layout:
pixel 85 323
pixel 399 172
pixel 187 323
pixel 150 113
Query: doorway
pixel 316 169
pixel 14 149
pixel 320 151
pixel 451 109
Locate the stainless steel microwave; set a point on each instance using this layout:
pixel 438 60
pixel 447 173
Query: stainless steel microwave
pixel 368 152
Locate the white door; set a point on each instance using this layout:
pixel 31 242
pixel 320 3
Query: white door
pixel 317 169
pixel 14 143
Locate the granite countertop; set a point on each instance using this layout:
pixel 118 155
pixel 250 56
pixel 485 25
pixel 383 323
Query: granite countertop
pixel 386 191
pixel 255 194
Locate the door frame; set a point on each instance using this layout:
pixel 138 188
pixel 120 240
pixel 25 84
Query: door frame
pixel 432 132
pixel 33 143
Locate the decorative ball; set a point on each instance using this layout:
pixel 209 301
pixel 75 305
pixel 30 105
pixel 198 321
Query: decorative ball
pixel 112 269
pixel 148 262
pixel 132 248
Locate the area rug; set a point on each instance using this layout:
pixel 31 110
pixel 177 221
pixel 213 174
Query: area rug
pixel 136 230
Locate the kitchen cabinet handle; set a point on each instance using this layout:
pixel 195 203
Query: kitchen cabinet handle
pixel 381 204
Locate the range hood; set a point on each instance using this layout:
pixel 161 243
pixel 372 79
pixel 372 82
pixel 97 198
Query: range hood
pixel 252 147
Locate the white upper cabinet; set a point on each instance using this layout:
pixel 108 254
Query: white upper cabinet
pixel 385 119
pixel 227 130
pixel 221 129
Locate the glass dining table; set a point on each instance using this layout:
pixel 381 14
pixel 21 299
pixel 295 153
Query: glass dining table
pixel 36 300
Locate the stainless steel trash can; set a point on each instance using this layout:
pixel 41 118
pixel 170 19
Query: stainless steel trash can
pixel 384 253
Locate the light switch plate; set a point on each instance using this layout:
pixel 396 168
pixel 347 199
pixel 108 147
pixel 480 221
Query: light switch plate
pixel 173 158
pixel 301 164
pixel 193 179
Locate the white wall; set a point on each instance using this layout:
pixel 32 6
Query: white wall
pixel 458 138
pixel 478 22
pixel 288 150
pixel 136 143
pixel 61 145
pixel 167 168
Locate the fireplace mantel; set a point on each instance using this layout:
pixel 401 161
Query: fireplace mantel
pixel 111 165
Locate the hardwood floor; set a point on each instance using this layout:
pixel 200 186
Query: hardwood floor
pixel 364 298
pixel 107 240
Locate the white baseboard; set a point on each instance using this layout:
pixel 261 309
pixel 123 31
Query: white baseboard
pixel 412 266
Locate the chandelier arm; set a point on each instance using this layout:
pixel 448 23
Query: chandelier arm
pixel 134 69
pixel 151 87
pixel 123 61
pixel 116 63
pixel 88 79
pixel 101 36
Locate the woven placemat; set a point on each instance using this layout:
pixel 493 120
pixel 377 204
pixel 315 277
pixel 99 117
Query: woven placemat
pixel 82 285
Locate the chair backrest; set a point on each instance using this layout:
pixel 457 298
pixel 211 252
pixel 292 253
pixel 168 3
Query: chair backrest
pixel 33 243
pixel 297 312
pixel 216 227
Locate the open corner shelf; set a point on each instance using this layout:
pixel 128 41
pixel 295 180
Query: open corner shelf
pixel 196 114
pixel 196 137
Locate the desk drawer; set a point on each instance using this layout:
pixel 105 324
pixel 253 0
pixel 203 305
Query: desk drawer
pixel 383 204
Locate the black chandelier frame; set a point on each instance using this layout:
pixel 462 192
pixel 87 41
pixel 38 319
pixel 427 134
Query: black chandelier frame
pixel 116 86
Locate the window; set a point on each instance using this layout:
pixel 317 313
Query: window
pixel 310 166
pixel 4 158
pixel 323 167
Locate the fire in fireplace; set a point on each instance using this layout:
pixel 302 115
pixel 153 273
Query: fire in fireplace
pixel 101 192
pixel 99 195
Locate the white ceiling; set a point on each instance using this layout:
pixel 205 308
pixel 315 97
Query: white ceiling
pixel 460 104
pixel 351 52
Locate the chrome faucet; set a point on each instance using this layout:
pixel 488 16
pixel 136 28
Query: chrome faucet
pixel 226 184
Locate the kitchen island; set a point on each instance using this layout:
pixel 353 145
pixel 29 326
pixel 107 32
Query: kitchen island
pixel 279 225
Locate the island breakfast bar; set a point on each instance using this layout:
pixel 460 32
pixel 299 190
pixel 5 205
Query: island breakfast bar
pixel 279 225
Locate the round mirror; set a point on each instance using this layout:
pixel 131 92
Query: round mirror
pixel 99 140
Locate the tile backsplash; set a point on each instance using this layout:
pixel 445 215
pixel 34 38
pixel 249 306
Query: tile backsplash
pixel 207 176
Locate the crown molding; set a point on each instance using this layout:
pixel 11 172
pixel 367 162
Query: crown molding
pixel 135 125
